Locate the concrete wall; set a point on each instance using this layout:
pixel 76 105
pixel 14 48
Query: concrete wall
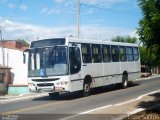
pixel 14 59
pixel 16 89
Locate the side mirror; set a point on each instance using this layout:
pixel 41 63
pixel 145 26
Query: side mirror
pixel 24 58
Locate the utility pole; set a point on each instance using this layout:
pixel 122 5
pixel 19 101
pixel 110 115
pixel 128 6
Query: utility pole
pixel 78 18
pixel 2 48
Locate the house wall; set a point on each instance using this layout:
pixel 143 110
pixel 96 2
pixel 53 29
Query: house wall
pixel 14 59
pixel 5 78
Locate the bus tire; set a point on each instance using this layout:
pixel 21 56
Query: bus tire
pixel 86 89
pixel 53 94
pixel 124 81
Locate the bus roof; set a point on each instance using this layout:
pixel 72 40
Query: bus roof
pixel 91 41
pixel 48 42
pixel 65 41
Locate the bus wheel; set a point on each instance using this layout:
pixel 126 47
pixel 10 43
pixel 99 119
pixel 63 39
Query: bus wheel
pixel 124 81
pixel 53 94
pixel 86 89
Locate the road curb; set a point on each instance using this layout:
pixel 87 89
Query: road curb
pixel 147 78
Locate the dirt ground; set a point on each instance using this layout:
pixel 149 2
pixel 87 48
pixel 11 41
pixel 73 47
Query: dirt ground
pixel 150 114
pixel 153 114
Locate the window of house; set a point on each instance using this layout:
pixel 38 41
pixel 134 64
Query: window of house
pixel 115 53
pixel 96 54
pixel 86 53
pixel 106 53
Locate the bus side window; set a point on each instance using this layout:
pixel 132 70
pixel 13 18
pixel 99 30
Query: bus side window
pixel 122 51
pixel 75 60
pixel 115 53
pixel 136 53
pixel 106 53
pixel 130 56
pixel 96 54
pixel 86 53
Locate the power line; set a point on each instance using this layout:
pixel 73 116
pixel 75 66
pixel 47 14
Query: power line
pixel 12 14
pixel 71 19
pixel 15 10
pixel 107 9
pixel 1 37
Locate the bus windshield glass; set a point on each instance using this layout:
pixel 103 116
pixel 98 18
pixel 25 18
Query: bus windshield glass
pixel 48 61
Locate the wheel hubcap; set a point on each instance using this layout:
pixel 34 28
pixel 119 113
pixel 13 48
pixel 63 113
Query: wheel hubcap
pixel 125 83
pixel 86 88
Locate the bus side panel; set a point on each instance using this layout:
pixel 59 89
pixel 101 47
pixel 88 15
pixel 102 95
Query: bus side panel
pixel 76 82
pixel 129 68
pixel 95 70
pixel 137 69
pixel 112 70
pixel 132 68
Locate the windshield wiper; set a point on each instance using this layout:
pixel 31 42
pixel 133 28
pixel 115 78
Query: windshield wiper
pixel 54 60
pixel 35 59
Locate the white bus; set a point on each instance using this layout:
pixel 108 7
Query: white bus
pixel 61 65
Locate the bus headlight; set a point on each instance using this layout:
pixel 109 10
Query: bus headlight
pixel 31 84
pixel 62 83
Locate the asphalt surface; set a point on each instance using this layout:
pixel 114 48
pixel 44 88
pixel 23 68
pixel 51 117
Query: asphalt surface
pixel 71 104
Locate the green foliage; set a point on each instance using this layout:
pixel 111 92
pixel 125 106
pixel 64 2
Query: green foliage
pixel 149 30
pixel 126 39
pixel 147 57
pixel 157 4
pixel 24 43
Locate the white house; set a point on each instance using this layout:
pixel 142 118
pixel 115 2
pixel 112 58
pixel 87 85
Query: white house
pixel 11 55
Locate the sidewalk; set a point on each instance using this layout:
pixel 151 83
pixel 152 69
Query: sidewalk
pixel 149 77
pixel 11 98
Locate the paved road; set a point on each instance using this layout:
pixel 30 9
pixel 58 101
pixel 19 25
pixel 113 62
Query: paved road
pixel 71 104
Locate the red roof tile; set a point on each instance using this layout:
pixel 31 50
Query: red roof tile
pixel 11 44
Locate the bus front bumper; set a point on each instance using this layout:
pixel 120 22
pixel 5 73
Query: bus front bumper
pixel 48 89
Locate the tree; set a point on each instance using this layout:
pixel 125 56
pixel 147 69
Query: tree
pixel 149 30
pixel 24 43
pixel 126 39
pixel 157 4
pixel 147 58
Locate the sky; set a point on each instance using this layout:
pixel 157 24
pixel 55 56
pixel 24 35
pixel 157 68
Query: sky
pixel 38 19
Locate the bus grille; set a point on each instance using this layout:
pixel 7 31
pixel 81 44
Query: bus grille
pixel 45 80
pixel 45 84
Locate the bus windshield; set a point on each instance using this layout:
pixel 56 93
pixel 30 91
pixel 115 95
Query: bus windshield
pixel 48 61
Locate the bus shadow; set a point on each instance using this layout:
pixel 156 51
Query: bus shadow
pixel 61 97
pixel 152 105
pixel 111 88
pixel 77 95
